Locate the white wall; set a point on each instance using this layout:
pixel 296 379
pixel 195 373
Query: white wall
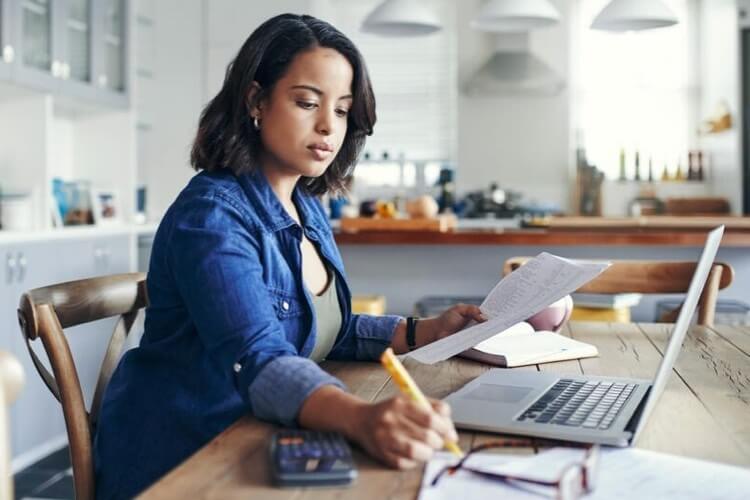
pixel 228 23
pixel 25 148
pixel 192 41
pixel 175 100
pixel 720 81
pixel 520 142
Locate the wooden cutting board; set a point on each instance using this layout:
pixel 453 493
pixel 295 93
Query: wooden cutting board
pixel 441 223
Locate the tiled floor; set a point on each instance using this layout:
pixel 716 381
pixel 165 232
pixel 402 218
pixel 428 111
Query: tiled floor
pixel 49 478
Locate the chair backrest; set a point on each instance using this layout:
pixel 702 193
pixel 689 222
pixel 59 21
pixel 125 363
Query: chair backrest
pixel 653 276
pixel 43 313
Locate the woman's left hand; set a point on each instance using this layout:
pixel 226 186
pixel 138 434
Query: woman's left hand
pixel 451 321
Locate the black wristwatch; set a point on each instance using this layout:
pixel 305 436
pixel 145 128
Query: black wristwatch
pixel 411 332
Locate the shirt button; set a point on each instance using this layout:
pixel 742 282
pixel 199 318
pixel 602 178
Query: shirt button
pixel 237 367
pixel 285 305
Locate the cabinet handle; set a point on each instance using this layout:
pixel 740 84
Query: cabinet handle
pixel 102 80
pixel 21 267
pixel 56 69
pixel 98 253
pixel 10 268
pixel 9 54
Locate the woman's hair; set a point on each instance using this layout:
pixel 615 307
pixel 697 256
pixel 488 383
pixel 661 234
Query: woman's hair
pixel 226 136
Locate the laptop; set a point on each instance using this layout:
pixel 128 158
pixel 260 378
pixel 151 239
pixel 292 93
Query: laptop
pixel 580 408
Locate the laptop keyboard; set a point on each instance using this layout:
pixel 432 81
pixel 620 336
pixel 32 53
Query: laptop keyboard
pixel 591 405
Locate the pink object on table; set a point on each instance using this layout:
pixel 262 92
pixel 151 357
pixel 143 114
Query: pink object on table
pixel 554 316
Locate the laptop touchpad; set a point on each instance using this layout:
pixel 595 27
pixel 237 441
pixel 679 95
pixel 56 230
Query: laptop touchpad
pixel 499 393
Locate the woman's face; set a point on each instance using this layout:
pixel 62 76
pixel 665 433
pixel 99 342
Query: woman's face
pixel 303 122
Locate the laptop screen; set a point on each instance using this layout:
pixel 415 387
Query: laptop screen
pixel 683 322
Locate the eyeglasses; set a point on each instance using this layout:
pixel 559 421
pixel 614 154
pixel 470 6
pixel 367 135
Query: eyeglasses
pixel 575 479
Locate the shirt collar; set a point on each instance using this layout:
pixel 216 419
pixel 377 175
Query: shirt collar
pixel 270 209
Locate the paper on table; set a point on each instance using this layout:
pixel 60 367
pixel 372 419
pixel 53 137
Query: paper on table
pixel 523 293
pixel 623 474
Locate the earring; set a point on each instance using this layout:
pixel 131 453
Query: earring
pixel 256 123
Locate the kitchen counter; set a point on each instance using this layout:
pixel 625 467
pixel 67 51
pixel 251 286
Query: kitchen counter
pixel 567 231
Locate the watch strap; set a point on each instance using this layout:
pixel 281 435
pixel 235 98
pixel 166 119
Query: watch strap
pixel 411 332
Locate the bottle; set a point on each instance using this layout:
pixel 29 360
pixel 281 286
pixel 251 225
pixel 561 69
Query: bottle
pixel 665 173
pixel 700 172
pixel 581 160
pixel 447 198
pixel 679 175
pixel 637 175
pixel 623 177
pixel 692 169
pixel 650 169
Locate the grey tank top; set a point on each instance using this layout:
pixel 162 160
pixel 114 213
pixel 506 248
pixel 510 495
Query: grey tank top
pixel 327 319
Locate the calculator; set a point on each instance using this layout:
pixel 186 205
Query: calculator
pixel 310 458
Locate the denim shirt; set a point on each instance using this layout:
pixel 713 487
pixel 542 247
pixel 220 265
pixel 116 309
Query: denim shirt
pixel 228 329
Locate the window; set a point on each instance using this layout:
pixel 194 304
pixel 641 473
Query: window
pixel 635 91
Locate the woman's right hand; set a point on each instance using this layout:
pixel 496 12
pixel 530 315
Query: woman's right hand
pixel 401 433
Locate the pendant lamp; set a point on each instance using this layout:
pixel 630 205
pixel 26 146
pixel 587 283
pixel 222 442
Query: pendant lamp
pixel 515 15
pixel 401 18
pixel 634 15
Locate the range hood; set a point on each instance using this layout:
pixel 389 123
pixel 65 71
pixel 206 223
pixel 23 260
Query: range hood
pixel 513 70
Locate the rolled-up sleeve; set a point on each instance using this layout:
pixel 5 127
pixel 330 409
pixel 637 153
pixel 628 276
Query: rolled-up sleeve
pixel 366 337
pixel 215 262
pixel 279 390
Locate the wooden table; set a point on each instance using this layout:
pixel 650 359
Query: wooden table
pixel 703 413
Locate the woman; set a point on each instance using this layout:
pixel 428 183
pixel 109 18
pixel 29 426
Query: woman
pixel 246 286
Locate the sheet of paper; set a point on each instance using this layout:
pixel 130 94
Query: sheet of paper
pixel 523 293
pixel 623 474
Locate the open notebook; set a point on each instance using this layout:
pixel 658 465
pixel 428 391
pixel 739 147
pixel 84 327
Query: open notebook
pixel 520 345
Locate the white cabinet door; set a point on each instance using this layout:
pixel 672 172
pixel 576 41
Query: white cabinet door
pixel 7 51
pixel 88 343
pixel 112 255
pixel 36 418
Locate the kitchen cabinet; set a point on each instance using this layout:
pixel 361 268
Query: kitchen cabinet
pixel 7 52
pixel 37 61
pixel 111 50
pixel 72 48
pixel 36 417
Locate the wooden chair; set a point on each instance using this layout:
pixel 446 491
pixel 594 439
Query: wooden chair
pixel 43 313
pixel 653 276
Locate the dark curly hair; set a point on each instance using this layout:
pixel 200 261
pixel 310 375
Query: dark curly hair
pixel 226 137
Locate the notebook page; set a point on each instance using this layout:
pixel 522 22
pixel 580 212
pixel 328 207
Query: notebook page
pixel 535 347
pixel 523 293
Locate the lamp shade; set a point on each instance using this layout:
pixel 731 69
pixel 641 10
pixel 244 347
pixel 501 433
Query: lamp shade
pixel 515 15
pixel 401 18
pixel 634 15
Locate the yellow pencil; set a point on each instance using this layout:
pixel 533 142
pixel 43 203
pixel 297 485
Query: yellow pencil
pixel 407 385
